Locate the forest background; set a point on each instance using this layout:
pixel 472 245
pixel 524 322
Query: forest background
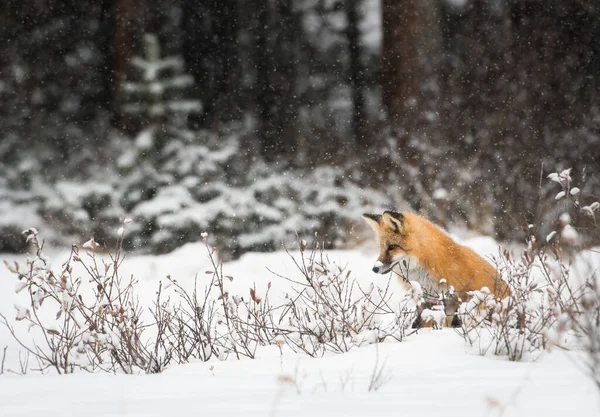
pixel 257 120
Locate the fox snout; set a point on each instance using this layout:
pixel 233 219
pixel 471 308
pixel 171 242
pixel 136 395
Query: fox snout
pixel 383 268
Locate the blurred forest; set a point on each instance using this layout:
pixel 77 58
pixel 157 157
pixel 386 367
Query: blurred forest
pixel 259 119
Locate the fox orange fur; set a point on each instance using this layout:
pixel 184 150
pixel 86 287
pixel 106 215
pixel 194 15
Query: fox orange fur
pixel 408 234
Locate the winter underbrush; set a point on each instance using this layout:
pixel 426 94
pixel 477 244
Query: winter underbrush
pixel 87 315
pixel 328 310
pixel 555 297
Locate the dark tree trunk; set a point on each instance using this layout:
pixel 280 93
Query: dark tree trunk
pixel 411 48
pixel 211 52
pixel 265 98
pixel 128 32
pixel 276 65
pixel 357 76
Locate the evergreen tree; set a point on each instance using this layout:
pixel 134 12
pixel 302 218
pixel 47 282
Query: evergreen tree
pixel 156 100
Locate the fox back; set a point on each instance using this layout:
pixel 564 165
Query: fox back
pixel 408 234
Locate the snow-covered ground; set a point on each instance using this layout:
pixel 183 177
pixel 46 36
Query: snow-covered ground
pixel 429 374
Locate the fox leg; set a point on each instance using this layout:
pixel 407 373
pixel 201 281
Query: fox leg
pixel 451 304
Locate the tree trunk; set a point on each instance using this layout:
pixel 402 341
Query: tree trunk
pixel 128 21
pixel 357 76
pixel 211 53
pixel 276 64
pixel 410 53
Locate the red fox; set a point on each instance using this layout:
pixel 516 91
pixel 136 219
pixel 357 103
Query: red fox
pixel 408 234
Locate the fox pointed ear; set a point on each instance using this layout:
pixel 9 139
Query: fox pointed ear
pixel 394 221
pixel 372 220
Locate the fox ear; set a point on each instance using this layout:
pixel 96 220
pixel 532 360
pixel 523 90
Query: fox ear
pixel 372 220
pixel 394 221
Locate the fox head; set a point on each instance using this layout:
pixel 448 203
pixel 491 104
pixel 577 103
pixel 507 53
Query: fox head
pixel 391 236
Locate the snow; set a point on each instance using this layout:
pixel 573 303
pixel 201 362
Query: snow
pixel 145 139
pixel 436 316
pixel 430 373
pixel 170 199
pixel 569 234
pixel 445 380
pixel 370 25
pixel 73 193
pixel 19 215
pixel 440 194
pixel 457 4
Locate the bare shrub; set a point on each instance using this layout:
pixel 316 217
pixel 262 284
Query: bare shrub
pixel 380 375
pixel 547 304
pixel 87 316
pixel 520 324
pixel 202 324
pixel 585 318
pixel 588 326
pixel 329 311
pixel 84 322
pixel 187 323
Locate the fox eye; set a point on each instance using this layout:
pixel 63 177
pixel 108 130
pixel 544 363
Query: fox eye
pixel 392 247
